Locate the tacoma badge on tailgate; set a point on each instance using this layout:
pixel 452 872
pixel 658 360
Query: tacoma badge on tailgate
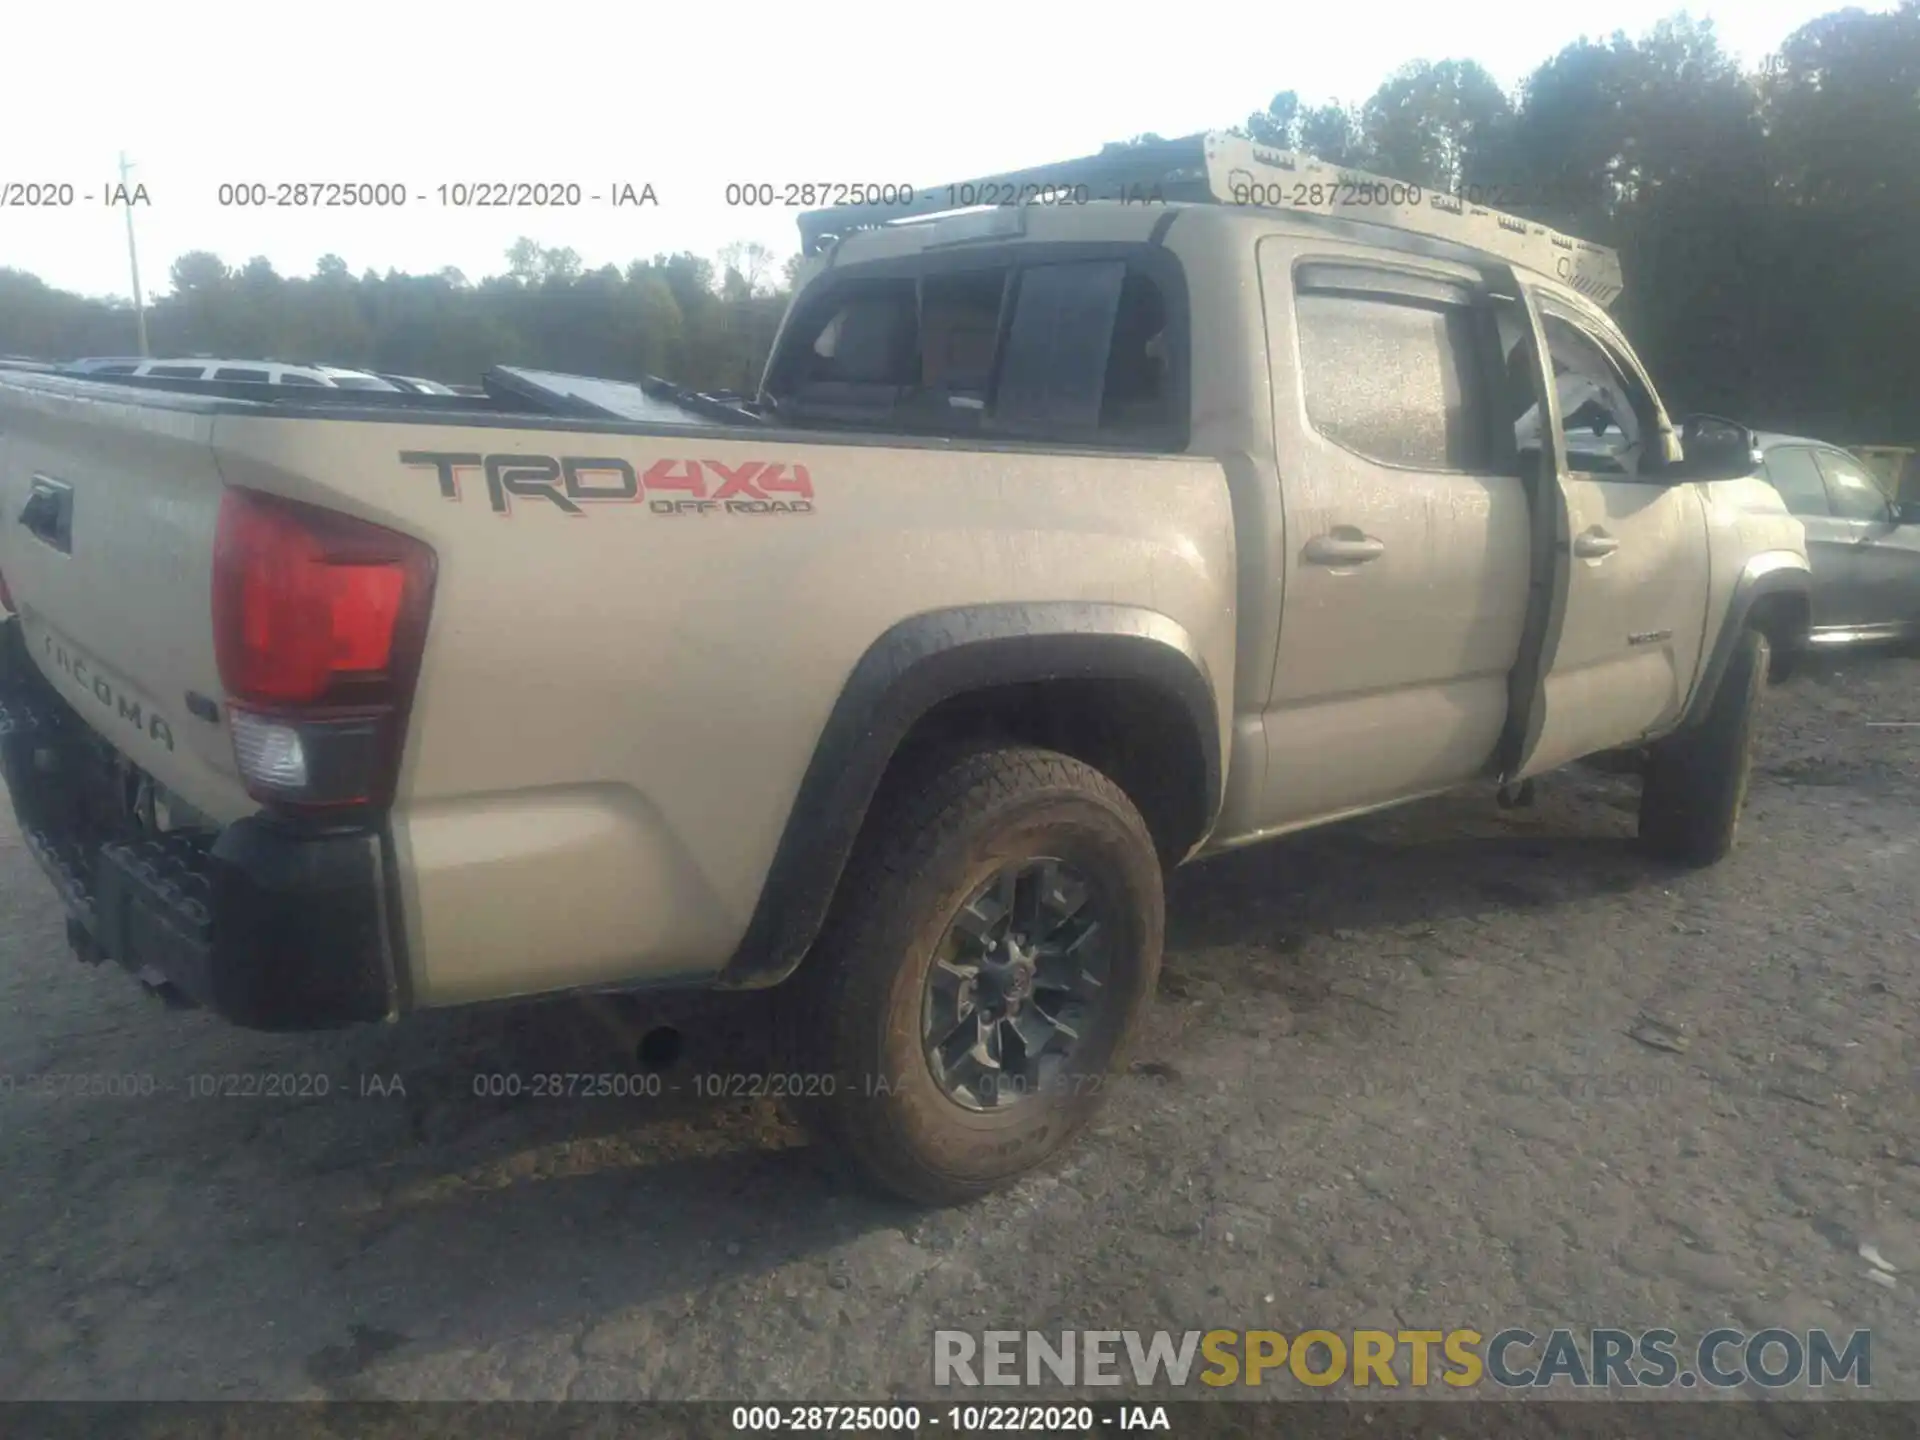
pixel 115 697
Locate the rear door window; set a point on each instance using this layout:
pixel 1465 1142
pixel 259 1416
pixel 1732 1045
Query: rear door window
pixel 179 372
pixel 237 372
pixel 1394 377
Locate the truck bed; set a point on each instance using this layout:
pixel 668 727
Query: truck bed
pixel 638 628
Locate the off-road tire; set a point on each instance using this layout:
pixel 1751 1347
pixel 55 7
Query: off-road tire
pixel 1696 780
pixel 938 831
pixel 1787 663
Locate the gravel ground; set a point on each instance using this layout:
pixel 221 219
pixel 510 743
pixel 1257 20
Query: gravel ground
pixel 1447 1066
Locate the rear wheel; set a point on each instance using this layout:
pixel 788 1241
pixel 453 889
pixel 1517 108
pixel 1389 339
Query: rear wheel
pixel 998 932
pixel 1696 780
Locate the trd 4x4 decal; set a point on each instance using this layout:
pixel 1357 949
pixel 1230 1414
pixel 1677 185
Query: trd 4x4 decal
pixel 669 487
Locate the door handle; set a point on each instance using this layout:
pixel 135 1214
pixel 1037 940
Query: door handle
pixel 1343 545
pixel 1595 544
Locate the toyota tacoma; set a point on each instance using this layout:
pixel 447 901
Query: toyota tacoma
pixel 1200 494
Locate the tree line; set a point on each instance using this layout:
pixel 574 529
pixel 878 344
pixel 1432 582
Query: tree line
pixel 682 316
pixel 1768 223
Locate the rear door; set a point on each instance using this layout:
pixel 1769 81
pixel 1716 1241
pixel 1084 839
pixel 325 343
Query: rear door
pixel 1793 471
pixel 1631 554
pixel 1406 555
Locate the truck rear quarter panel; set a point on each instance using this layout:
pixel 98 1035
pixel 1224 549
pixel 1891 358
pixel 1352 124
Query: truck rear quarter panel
pixel 616 707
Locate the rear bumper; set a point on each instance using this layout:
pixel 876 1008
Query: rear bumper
pixel 272 928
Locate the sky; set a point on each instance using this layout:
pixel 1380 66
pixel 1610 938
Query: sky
pixel 415 95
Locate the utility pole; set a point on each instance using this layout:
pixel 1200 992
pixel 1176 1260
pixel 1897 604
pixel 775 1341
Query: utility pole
pixel 133 259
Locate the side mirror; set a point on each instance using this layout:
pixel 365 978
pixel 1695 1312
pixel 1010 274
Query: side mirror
pixel 1715 448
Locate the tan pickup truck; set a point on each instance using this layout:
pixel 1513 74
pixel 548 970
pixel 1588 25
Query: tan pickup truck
pixel 1170 501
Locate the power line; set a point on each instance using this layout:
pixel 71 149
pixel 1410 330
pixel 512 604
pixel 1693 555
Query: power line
pixel 133 258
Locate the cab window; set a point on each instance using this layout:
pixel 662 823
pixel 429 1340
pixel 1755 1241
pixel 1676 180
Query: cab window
pixel 1068 351
pixel 1607 419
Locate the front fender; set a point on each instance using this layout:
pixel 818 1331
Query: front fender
pixel 1770 574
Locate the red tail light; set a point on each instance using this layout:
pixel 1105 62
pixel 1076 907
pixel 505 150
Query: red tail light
pixel 318 621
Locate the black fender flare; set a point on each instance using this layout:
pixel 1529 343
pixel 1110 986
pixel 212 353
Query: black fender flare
pixel 912 667
pixel 1774 572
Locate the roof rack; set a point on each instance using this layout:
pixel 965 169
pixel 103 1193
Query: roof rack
pixel 1222 169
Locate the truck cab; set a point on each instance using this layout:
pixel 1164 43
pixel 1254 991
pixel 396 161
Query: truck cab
pixel 1440 574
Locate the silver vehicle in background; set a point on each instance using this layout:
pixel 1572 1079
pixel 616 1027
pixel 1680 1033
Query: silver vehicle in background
pixel 346 379
pixel 1864 548
pixel 103 365
pixel 414 385
pixel 204 367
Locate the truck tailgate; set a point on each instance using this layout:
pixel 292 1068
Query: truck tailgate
pixel 107 520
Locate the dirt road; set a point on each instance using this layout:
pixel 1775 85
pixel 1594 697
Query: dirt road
pixel 1450 1066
